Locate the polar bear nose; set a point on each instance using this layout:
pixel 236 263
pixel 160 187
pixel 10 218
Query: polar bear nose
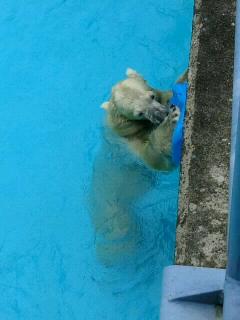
pixel 173 107
pixel 157 114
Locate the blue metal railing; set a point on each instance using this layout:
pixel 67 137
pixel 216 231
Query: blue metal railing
pixel 233 268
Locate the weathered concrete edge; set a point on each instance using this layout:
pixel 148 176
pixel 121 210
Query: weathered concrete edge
pixel 183 203
pixel 203 199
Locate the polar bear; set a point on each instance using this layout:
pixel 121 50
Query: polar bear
pixel 142 116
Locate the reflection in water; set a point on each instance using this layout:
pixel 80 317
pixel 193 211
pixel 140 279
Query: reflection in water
pixel 132 209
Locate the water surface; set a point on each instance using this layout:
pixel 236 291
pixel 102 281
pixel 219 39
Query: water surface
pixel 85 227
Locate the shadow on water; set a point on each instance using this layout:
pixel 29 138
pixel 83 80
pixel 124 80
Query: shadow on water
pixel 132 209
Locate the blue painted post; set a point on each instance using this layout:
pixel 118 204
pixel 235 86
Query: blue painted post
pixel 232 281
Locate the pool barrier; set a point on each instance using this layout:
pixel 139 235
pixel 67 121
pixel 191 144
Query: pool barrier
pixel 195 292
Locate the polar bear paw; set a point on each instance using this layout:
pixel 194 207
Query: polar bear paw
pixel 174 114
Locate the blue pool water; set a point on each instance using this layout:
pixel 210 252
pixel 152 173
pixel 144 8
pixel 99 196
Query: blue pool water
pixel 85 227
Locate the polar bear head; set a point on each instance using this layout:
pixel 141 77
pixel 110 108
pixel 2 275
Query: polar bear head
pixel 134 99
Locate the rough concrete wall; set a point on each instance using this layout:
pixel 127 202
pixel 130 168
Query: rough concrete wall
pixel 203 204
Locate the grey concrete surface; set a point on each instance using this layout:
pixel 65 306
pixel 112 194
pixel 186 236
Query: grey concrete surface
pixel 203 200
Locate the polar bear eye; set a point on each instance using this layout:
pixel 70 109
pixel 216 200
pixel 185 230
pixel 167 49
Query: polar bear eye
pixel 140 115
pixel 152 96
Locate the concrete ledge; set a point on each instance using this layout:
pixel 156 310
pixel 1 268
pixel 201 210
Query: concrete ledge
pixel 203 200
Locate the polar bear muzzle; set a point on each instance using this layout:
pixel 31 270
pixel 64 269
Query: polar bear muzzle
pixel 157 113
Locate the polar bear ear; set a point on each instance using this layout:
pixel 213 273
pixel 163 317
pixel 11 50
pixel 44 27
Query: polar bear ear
pixel 105 105
pixel 132 73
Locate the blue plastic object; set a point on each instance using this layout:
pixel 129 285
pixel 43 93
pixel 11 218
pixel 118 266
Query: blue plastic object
pixel 179 99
